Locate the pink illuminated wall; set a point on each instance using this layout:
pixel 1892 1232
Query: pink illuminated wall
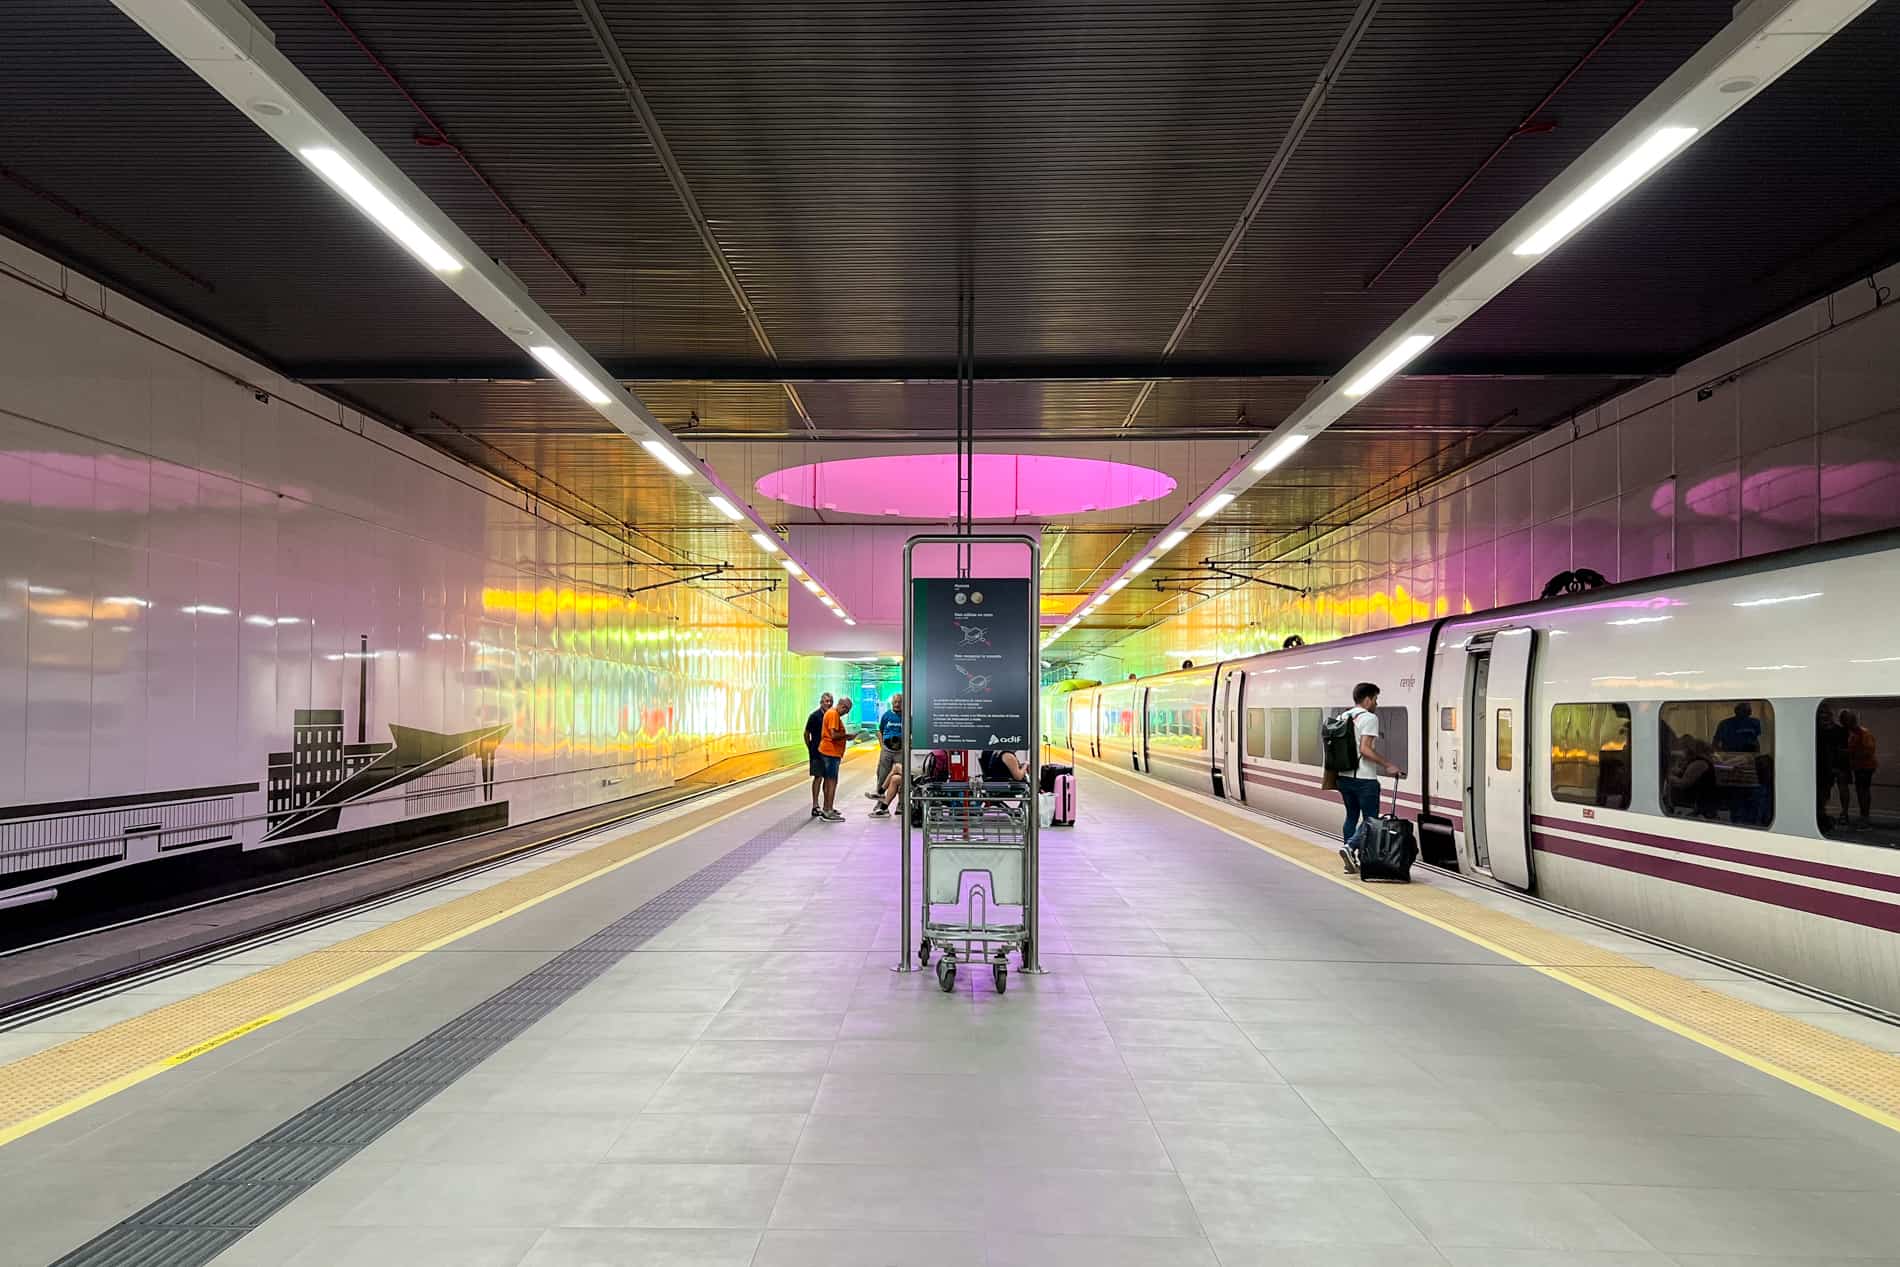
pixel 1785 437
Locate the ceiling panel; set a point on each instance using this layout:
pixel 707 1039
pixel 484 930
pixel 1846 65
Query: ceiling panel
pixel 1081 160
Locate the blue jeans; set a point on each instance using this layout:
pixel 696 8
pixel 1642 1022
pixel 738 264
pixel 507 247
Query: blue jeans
pixel 1362 803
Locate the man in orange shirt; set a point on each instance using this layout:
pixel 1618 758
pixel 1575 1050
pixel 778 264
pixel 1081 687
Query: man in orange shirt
pixel 830 752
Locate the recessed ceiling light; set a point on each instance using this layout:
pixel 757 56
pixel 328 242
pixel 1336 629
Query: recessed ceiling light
pixel 1121 583
pixel 1142 566
pixel 1174 539
pixel 568 372
pixel 1389 364
pixel 725 508
pixel 1605 189
pixel 765 543
pixel 791 565
pixel 374 203
pixel 269 109
pixel 1215 504
pixel 666 457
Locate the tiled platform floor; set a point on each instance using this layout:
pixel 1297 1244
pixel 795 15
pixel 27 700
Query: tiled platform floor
pixel 1230 1062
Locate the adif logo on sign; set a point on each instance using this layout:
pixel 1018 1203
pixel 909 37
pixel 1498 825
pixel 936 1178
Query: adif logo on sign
pixel 996 739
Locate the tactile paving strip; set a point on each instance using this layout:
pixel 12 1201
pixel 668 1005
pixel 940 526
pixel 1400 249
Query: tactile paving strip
pixel 199 1219
pixel 49 1084
pixel 1853 1075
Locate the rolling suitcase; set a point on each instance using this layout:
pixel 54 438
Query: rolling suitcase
pixel 1064 794
pixel 1048 771
pixel 1388 845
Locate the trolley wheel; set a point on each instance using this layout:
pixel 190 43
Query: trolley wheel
pixel 1000 973
pixel 923 953
pixel 946 974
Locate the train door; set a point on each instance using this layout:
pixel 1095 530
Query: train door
pixel 1497 778
pixel 1223 758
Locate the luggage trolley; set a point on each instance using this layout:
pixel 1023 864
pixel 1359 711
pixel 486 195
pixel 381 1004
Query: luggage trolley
pixel 985 830
pixel 975 829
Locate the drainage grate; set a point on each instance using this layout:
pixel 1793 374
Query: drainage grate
pixel 204 1216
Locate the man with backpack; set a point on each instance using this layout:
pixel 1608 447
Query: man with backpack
pixel 1354 761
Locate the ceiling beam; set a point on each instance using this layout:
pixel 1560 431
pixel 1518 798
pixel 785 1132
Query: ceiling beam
pixel 617 65
pixel 1001 435
pixel 403 374
pixel 1355 30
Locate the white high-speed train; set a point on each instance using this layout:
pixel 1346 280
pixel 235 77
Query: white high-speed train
pixel 1711 757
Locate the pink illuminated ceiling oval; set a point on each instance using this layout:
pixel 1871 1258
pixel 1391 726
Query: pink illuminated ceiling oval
pixel 1007 485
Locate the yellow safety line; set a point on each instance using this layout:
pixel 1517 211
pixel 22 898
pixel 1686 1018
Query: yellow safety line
pixel 40 1089
pixel 1858 1078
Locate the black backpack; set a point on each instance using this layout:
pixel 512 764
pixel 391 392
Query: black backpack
pixel 1340 743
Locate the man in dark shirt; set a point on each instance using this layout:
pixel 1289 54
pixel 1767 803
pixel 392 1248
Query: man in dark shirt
pixel 814 731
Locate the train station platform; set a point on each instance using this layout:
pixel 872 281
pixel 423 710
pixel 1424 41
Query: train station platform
pixel 681 1043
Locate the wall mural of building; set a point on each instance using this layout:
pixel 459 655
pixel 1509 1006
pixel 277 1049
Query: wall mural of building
pixel 243 628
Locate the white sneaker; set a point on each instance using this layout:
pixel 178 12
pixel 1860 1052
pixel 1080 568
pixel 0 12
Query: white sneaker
pixel 831 815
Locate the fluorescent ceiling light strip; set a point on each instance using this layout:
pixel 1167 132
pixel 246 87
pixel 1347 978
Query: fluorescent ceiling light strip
pixel 377 205
pixel 1389 364
pixel 558 365
pixel 1142 566
pixel 725 508
pixel 1651 153
pixel 664 454
pixel 1219 502
pixel 1121 583
pixel 791 565
pixel 765 543
pixel 1174 539
pixel 1279 453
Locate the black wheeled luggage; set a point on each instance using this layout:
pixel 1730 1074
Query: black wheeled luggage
pixel 1388 845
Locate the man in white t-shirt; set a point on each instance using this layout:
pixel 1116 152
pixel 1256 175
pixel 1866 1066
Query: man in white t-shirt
pixel 1360 790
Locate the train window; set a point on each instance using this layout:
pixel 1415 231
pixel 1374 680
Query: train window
pixel 1312 748
pixel 1256 732
pixel 1503 729
pixel 1280 734
pixel 1590 754
pixel 1857 797
pixel 1718 761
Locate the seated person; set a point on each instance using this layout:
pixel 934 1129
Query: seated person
pixel 1689 785
pixel 934 768
pixel 1002 766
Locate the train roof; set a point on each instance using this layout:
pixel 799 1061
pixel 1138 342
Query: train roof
pixel 1798 556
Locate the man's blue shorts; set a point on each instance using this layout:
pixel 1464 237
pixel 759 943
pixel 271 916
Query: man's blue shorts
pixel 829 766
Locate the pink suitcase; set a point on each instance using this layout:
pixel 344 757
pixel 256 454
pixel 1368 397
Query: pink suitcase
pixel 1064 792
